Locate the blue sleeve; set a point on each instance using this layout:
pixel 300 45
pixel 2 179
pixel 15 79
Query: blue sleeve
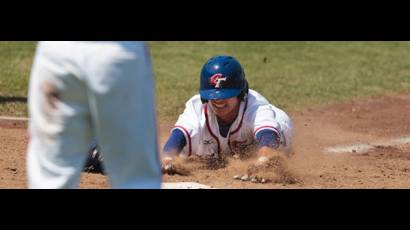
pixel 176 142
pixel 267 138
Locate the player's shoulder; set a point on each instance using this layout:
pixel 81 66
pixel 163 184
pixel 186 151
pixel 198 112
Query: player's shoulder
pixel 256 105
pixel 256 99
pixel 194 103
pixel 194 100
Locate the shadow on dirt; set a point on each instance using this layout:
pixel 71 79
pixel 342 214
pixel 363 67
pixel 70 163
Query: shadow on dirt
pixel 11 99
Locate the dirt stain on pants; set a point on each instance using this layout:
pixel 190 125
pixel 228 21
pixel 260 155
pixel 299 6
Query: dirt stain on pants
pixel 52 96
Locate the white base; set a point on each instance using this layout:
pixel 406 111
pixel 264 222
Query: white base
pixel 364 148
pixel 184 185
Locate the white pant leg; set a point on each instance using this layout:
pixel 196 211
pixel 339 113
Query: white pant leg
pixel 59 124
pixel 118 106
pixel 123 110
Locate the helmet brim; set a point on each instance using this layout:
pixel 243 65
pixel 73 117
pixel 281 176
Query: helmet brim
pixel 215 94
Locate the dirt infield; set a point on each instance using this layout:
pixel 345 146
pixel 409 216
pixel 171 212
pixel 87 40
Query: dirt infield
pixel 316 128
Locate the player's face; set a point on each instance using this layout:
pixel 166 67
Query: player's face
pixel 225 108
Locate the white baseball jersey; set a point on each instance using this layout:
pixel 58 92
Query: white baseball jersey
pixel 82 90
pixel 200 127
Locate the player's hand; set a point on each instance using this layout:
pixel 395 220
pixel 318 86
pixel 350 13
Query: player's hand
pixel 167 165
pixel 269 166
pixel 266 155
pixel 173 166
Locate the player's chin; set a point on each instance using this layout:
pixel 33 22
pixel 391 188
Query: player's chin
pixel 222 111
pixel 219 107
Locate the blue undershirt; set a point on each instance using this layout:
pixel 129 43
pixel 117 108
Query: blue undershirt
pixel 267 137
pixel 176 142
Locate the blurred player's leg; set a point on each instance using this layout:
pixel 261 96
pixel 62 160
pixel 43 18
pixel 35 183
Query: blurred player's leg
pixel 59 125
pixel 123 109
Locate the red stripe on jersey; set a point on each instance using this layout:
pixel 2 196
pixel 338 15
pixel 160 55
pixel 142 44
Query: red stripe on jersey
pixel 240 123
pixel 210 131
pixel 239 126
pixel 266 126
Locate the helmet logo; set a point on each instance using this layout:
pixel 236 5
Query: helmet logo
pixel 217 79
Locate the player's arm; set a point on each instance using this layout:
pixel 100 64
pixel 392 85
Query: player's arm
pixel 176 142
pixel 267 132
pixel 268 138
pixel 268 154
pixel 268 141
pixel 181 136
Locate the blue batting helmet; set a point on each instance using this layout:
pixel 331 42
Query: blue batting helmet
pixel 222 77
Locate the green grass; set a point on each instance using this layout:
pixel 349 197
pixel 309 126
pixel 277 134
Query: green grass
pixel 15 64
pixel 295 74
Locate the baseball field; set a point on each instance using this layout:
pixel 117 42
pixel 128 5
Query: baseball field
pixel 349 102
